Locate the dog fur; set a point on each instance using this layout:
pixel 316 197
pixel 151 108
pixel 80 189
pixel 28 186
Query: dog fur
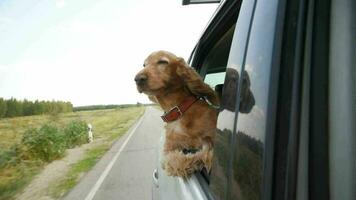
pixel 168 80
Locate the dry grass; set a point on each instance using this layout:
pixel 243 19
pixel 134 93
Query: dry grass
pixel 105 123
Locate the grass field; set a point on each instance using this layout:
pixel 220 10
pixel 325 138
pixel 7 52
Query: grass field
pixel 105 123
pixel 108 125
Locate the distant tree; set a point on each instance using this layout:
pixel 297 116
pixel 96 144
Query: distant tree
pixel 67 107
pixel 27 108
pixel 38 107
pixel 10 111
pixel 14 108
pixel 19 108
pixel 3 108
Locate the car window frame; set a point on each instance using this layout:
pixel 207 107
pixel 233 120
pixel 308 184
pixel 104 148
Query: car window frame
pixel 209 36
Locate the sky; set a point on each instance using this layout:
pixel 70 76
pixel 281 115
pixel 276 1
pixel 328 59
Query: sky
pixel 88 51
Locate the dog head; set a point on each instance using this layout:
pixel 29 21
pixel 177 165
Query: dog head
pixel 164 72
pixel 247 99
pixel 159 74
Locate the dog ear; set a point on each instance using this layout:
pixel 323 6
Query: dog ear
pixel 247 100
pixel 194 83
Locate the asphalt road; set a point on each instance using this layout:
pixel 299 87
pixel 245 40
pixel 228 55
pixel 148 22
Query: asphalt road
pixel 125 171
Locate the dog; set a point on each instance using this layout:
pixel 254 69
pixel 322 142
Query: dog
pixel 189 109
pixel 90 133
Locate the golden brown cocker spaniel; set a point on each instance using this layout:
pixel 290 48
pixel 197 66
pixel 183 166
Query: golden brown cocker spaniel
pixel 170 82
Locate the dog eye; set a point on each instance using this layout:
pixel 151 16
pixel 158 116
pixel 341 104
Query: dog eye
pixel 144 65
pixel 162 62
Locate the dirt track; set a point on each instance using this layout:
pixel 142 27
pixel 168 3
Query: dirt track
pixel 38 188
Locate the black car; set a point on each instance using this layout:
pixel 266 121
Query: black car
pixel 285 73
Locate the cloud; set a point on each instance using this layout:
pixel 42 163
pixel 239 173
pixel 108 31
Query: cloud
pixel 61 4
pixel 6 24
pixel 253 123
pixel 6 20
pixel 3 70
pixel 250 70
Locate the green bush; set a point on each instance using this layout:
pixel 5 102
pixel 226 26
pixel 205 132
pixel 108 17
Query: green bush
pixel 8 157
pixel 39 145
pixel 46 143
pixel 75 133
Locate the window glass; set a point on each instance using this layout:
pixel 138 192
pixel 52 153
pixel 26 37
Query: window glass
pixel 222 150
pixel 227 89
pixel 254 83
pixel 215 66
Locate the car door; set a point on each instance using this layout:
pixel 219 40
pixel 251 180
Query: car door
pixel 275 139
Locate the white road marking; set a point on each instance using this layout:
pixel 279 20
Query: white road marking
pixel 102 177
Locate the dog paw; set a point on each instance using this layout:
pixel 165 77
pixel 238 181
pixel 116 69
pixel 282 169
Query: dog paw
pixel 183 165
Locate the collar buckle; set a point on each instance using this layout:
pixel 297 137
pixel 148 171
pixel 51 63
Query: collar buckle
pixel 178 111
pixel 175 109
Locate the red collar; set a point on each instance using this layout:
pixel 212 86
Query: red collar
pixel 177 111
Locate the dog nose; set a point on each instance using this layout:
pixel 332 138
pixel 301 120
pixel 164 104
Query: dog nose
pixel 140 79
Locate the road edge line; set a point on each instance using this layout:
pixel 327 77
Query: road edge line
pixel 102 177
